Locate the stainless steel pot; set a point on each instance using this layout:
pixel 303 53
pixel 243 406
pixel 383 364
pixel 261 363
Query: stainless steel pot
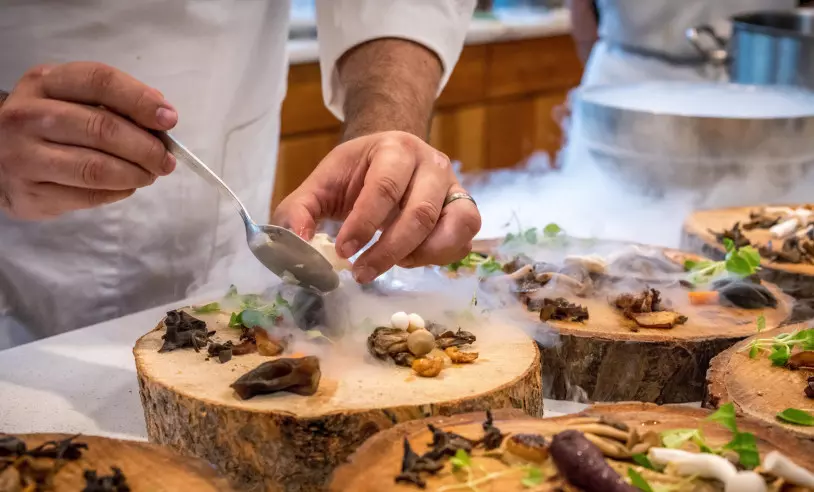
pixel 676 135
pixel 765 48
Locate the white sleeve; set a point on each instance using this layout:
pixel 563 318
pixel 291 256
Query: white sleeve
pixel 439 25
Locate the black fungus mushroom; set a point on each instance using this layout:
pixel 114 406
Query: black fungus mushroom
pixel 560 309
pixel 447 443
pixel 735 234
pixel 584 465
pixel 412 465
pixel 492 437
pixel 11 446
pixel 184 330
pixel 747 295
pixel 299 376
pixel 116 482
pixel 759 220
pixel 66 449
pixel 223 351
pixel 809 391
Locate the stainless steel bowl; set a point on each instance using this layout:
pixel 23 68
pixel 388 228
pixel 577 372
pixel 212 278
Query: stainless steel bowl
pixel 663 135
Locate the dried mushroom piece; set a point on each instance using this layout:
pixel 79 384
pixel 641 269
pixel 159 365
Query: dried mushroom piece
pixel 458 357
pixel 11 446
pixel 412 465
pixel 385 341
pixel 299 376
pixel 447 443
pixel 584 465
pixel 646 301
pixel 803 359
pixel 183 330
pixel 492 437
pixel 454 339
pixel 662 319
pixel 223 351
pixel 761 220
pixel 560 309
pixel 428 367
pixel 268 345
pixel 809 389
pixel 735 234
pixel 115 482
pixel 33 470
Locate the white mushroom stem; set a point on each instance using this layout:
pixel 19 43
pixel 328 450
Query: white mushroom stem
pixel 745 481
pixel 702 464
pixel 780 466
pixel 521 272
pixel 785 228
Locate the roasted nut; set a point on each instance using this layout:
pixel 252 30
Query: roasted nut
pixel 420 342
pixel 459 357
pixel 415 322
pixel 530 447
pixel 428 367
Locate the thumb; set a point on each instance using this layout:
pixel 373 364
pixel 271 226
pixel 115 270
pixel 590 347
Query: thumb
pixel 297 216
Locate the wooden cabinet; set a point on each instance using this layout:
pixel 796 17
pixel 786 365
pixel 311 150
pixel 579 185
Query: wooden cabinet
pixel 496 110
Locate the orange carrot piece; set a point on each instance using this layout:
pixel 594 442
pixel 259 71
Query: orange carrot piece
pixel 703 297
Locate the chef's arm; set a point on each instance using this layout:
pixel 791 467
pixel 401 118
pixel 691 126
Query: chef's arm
pixel 583 26
pixel 384 62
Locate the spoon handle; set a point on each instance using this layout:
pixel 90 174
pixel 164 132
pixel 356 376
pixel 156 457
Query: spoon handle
pixel 181 153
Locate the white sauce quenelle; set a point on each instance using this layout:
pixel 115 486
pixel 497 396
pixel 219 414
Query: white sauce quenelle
pixel 322 243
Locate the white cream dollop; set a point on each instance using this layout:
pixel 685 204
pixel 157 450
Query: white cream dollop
pixel 322 243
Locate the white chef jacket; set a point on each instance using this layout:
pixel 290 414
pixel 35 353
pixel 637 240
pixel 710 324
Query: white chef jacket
pixel 223 65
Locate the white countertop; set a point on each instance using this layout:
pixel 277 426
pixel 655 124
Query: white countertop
pixel 85 381
pixel 507 25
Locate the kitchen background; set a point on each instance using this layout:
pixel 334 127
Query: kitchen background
pixel 497 110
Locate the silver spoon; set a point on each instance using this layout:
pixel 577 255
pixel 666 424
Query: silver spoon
pixel 277 248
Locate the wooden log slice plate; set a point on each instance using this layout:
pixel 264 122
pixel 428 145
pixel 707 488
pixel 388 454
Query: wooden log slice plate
pixel 795 279
pixel 602 359
pixel 374 465
pixel 289 442
pixel 147 467
pixel 756 388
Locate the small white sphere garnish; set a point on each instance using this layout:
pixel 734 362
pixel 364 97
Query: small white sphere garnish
pixel 416 322
pixel 400 320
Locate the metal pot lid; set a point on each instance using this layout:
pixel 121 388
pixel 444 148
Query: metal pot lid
pixel 702 100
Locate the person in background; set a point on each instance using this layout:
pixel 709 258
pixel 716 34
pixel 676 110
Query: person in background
pixel 628 41
pixel 98 221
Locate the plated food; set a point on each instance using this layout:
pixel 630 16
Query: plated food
pixel 63 463
pixel 618 308
pixel 624 447
pixel 275 395
pixel 769 377
pixel 783 236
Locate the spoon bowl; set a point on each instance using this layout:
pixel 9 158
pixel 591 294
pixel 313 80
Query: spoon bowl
pixel 280 250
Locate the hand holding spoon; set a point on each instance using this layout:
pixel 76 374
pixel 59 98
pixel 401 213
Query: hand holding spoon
pixel 277 248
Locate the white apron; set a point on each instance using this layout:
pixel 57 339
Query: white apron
pixel 223 65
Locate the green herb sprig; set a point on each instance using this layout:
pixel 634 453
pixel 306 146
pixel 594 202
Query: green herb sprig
pixel 780 347
pixel 484 264
pixel 742 443
pixel 742 262
pixel 462 464
pixel 255 311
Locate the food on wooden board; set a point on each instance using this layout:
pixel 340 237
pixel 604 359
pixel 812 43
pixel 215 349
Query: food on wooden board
pixel 791 227
pixel 419 348
pixel 299 376
pixel 559 309
pixel 30 470
pixel 793 350
pixel 595 454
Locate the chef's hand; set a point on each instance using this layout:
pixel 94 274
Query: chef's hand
pixel 61 151
pixel 390 181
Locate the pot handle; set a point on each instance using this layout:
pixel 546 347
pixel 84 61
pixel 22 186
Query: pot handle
pixel 715 54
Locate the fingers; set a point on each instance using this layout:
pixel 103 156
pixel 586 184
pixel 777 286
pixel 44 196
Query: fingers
pixel 389 175
pixel 452 237
pixel 417 220
pixel 299 213
pixel 97 128
pixel 48 200
pixel 86 168
pixel 96 84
